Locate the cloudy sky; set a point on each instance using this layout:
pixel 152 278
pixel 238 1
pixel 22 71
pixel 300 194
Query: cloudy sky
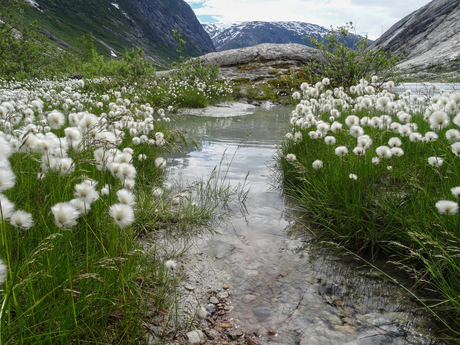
pixel 369 16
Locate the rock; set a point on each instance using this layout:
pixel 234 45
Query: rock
pixel 264 52
pixel 345 329
pixel 196 337
pixel 189 287
pixel 212 334
pixel 225 287
pixel 225 325
pixel 249 298
pixel 262 313
pixel 211 308
pixel 428 36
pixel 222 295
pixel 234 334
pixel 252 342
pixel 213 300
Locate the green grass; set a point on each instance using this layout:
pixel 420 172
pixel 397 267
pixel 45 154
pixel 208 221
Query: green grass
pixel 390 208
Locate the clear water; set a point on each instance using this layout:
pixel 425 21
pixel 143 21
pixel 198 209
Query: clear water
pixel 284 286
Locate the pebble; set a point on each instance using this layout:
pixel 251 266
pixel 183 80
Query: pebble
pixel 196 337
pixel 225 325
pixel 189 287
pixel 234 334
pixel 225 287
pixel 213 300
pixel 222 295
pixel 262 313
pixel 212 333
pixel 211 308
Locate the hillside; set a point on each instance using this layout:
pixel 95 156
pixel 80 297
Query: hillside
pixel 429 37
pixel 119 25
pixel 235 35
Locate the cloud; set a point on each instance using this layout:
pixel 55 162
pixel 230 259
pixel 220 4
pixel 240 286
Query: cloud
pixel 369 16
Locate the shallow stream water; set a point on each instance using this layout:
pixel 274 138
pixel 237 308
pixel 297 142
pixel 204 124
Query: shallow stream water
pixel 284 286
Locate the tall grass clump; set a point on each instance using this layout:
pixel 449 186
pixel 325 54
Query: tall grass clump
pixel 379 173
pixel 82 177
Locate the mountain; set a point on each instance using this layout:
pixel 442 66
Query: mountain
pixel 119 25
pixel 429 37
pixel 234 35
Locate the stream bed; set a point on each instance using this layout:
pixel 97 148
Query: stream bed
pixel 285 287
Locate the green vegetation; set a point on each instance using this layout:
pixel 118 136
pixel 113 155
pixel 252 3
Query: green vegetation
pixel 347 66
pixel 380 176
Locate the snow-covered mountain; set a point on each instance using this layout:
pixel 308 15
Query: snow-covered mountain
pixel 246 34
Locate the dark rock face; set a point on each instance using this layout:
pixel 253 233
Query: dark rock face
pixel 429 36
pixel 156 19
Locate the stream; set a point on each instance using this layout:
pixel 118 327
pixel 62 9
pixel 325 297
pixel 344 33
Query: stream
pixel 285 286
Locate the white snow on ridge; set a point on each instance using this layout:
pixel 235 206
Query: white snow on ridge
pixel 34 4
pixel 116 5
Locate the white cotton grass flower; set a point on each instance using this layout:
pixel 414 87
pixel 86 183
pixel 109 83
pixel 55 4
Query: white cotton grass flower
pixel 447 207
pixel 6 207
pixel 375 160
pixel 21 219
pixel 81 205
pixel 3 271
pixel 126 197
pixel 7 179
pixel 352 120
pixel 160 162
pixel 455 147
pixel 431 136
pixel 56 119
pixel 330 140
pixel 336 126
pixel 65 215
pixel 341 151
pixel 415 137
pixel 289 136
pixel 356 131
pixel 439 120
pixel 6 150
pixel 435 161
pixel 126 171
pixel 397 151
pixel 353 176
pixel 105 190
pixel 122 214
pixel 394 142
pixel 171 264
pixel 383 152
pixel 456 192
pixel 142 157
pixel 453 135
pixel 86 191
pixel 317 164
pixel 359 151
pixel 290 157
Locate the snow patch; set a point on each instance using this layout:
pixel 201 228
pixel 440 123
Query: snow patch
pixel 112 54
pixel 34 4
pixel 116 5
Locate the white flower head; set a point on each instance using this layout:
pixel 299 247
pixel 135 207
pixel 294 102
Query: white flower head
pixel 341 151
pixel 7 179
pixel 157 192
pixel 122 214
pixel 22 220
pixel 65 215
pixel 171 264
pixel 317 164
pixel 456 192
pixel 447 207
pixel 3 270
pixel 353 176
pixel 126 197
pixel 290 157
pixel 435 161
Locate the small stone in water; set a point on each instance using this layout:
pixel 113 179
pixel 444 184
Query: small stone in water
pixel 213 300
pixel 225 325
pixel 222 295
pixel 271 332
pixel 226 287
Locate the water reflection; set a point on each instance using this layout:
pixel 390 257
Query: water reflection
pixel 280 279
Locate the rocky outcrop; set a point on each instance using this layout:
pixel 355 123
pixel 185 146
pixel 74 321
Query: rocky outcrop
pixel 296 53
pixel 429 37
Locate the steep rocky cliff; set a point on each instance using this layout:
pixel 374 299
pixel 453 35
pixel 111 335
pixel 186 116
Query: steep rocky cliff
pixel 119 25
pixel 429 37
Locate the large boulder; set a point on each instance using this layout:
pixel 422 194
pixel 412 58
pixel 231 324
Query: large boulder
pixel 264 52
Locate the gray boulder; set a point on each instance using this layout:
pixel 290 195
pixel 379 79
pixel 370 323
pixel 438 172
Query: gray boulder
pixel 264 52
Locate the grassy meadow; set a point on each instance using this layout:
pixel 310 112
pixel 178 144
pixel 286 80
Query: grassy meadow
pixel 380 173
